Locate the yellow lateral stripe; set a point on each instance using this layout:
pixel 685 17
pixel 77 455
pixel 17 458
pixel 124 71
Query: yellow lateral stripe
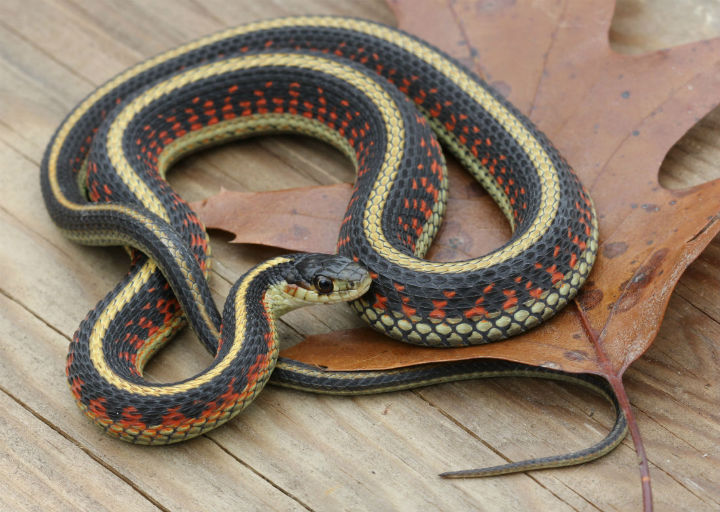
pixel 140 219
pixel 129 112
pixel 126 294
pixel 249 126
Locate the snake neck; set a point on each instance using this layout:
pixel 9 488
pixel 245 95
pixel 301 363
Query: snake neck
pixel 251 309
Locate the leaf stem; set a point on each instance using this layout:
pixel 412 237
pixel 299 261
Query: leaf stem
pixel 616 383
pixel 619 389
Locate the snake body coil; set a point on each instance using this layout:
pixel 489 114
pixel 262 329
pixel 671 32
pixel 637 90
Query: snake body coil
pixel 326 77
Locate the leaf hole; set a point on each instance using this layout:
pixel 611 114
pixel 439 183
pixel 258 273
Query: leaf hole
pixel 639 26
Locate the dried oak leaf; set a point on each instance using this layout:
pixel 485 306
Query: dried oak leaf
pixel 613 116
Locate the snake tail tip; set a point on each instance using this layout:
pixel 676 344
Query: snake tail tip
pixel 467 473
pixel 507 469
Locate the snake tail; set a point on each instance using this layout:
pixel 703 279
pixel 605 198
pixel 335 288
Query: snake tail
pixel 371 382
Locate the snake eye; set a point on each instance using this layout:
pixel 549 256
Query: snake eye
pixel 323 284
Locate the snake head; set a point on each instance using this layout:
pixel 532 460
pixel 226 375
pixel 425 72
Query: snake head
pixel 318 279
pixel 327 278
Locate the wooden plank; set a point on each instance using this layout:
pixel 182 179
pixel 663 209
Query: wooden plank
pixel 677 397
pixel 693 160
pixel 639 26
pixel 48 471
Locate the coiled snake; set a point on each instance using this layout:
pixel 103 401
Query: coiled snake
pixel 331 78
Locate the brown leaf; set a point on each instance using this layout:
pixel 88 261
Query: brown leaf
pixel 308 218
pixel 301 219
pixel 614 117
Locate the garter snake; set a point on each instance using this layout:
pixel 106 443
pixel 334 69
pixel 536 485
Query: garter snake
pixel 381 97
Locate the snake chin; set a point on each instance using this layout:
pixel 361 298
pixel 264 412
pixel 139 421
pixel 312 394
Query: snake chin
pixel 319 279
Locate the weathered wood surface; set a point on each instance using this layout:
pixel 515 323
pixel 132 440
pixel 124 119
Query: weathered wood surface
pixel 290 450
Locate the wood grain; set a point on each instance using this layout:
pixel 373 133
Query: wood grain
pixel 290 450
